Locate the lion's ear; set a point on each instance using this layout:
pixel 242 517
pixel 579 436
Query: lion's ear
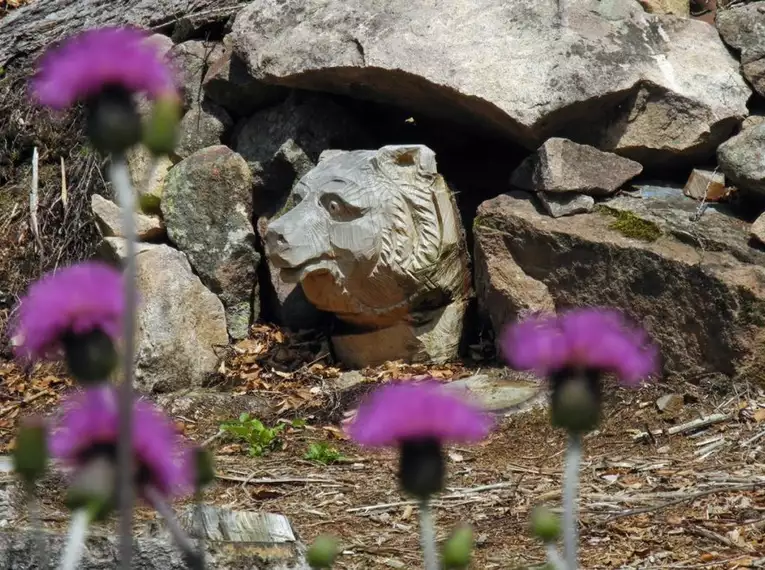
pixel 412 169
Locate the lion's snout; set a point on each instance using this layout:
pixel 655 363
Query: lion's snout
pixel 292 241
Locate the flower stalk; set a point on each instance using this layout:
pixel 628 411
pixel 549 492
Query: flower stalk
pixel 428 536
pixel 75 544
pixel 120 178
pixel 570 490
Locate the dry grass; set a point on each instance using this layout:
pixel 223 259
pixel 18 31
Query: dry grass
pixel 66 228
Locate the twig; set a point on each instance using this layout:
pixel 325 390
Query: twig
pixel 24 402
pixel 698 423
pixel 281 481
pixel 689 497
pixel 33 199
pixel 706 533
pixel 64 190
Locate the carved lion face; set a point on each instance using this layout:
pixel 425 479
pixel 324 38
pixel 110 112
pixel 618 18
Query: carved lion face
pixel 371 232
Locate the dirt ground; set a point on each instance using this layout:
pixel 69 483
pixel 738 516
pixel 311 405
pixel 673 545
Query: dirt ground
pixel 683 497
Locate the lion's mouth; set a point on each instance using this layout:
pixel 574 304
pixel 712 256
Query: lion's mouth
pixel 297 273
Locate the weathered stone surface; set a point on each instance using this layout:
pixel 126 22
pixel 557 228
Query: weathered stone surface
pixel 561 166
pixel 207 207
pixel 741 28
pixel 192 59
pixel 276 548
pixel 286 303
pixel 705 185
pixel 375 239
pixel 142 166
pixel 307 124
pixel 202 126
pixel 757 231
pixel 696 286
pixel 109 220
pixel 180 323
pixel 669 7
pixel 161 43
pixel 740 159
pixel 496 394
pixel 114 249
pixel 642 75
pixel 230 85
pixel 565 204
pixel 209 405
pixel 33 27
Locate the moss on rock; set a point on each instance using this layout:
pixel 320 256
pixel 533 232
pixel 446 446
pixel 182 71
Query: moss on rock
pixel 630 225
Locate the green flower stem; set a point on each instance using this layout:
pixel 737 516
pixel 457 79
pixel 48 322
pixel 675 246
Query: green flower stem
pixel 75 544
pixel 120 178
pixel 554 558
pixel 194 559
pixel 570 490
pixel 428 536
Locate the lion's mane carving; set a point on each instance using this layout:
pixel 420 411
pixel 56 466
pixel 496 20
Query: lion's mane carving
pixel 374 236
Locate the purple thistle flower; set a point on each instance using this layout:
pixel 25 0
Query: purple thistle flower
pixel 90 423
pixel 594 339
pixel 400 412
pixel 77 299
pixel 81 66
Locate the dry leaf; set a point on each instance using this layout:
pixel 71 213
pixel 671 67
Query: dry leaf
pixel 759 415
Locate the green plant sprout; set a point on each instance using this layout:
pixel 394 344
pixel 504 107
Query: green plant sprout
pixel 323 453
pixel 259 438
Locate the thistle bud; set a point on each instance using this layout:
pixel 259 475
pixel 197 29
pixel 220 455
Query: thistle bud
pixel 112 120
pixel 575 404
pixel 322 552
pixel 458 548
pixel 545 524
pixel 161 129
pixel 30 454
pixel 91 357
pixel 421 467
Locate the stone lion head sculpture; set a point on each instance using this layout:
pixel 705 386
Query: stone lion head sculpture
pixel 372 235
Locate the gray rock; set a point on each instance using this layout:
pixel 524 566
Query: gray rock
pixel 757 231
pixel 496 394
pixel 148 175
pixel 308 124
pixel 203 125
pixel 740 159
pixel 568 204
pixel 192 59
pixel 114 249
pixel 209 405
pixel 230 85
pixel 109 221
pixel 561 166
pixel 161 43
pixel 639 74
pixel 741 28
pixel 181 324
pixel 695 286
pixel 207 207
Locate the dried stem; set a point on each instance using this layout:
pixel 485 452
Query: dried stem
pixel 194 559
pixel 75 544
pixel 120 178
pixel 428 536
pixel 570 490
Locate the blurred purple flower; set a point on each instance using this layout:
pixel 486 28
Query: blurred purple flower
pixel 76 299
pixel 90 423
pixel 82 65
pixel 591 338
pixel 399 412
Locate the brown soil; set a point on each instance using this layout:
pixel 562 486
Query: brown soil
pixel 651 503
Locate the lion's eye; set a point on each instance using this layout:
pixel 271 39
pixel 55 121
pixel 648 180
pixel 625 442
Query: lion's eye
pixel 339 209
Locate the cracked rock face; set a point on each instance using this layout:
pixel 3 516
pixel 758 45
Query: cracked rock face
pixel 481 63
pixel 697 287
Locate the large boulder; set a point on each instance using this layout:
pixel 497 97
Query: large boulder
pixel 207 207
pixel 181 324
pixel 695 285
pixel 741 27
pixel 108 217
pixel 614 76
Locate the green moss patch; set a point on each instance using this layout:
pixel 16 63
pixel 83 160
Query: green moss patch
pixel 630 225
